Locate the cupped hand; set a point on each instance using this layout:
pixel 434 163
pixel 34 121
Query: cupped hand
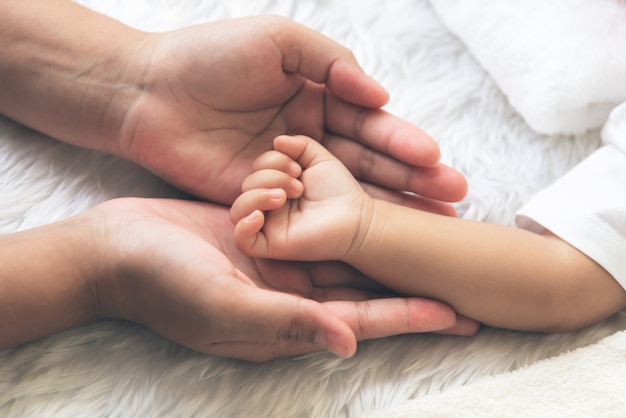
pixel 173 266
pixel 213 97
pixel 301 203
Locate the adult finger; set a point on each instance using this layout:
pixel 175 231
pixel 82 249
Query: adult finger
pixel 464 326
pixel 393 316
pixel 382 131
pixel 322 60
pixel 317 280
pixel 329 274
pixel 281 320
pixel 258 351
pixel 437 182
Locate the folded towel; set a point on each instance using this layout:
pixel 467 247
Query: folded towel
pixel 583 383
pixel 561 63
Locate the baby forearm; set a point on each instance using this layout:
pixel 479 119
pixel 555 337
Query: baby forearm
pixel 502 276
pixel 62 71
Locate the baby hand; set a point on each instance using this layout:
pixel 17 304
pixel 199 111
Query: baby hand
pixel 300 203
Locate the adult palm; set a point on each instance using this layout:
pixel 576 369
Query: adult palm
pixel 173 265
pixel 214 96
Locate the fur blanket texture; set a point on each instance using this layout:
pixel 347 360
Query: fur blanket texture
pixel 118 369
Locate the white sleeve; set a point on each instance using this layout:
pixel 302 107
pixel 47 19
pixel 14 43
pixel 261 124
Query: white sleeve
pixel 587 209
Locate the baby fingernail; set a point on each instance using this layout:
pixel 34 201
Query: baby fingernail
pixel 294 169
pixel 276 194
pixel 252 217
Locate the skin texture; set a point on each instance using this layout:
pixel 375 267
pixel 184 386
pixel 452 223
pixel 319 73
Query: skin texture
pixel 217 92
pixel 301 203
pixel 196 106
pixel 173 266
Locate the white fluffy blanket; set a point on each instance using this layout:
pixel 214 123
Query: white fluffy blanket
pixel 561 63
pixel 113 368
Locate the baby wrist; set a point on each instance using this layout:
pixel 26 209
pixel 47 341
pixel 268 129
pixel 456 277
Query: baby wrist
pixel 369 232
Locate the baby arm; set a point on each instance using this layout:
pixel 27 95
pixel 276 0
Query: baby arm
pixel 502 276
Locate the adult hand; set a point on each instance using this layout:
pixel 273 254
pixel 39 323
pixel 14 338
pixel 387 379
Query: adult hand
pixel 174 266
pixel 197 105
pixel 214 96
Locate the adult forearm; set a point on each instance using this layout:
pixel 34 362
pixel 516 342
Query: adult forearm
pixel 44 281
pixel 503 276
pixel 65 71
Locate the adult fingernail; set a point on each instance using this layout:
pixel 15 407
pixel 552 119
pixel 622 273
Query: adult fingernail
pixel 335 343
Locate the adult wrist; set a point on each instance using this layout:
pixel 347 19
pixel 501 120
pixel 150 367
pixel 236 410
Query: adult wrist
pixel 45 281
pixel 109 264
pixel 67 71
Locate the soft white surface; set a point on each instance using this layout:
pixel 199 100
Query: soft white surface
pixel 561 63
pixel 110 368
pixel 573 385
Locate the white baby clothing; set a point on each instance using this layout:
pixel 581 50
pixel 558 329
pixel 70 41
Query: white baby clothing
pixel 587 206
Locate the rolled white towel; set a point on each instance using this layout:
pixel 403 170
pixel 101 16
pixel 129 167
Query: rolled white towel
pixel 561 63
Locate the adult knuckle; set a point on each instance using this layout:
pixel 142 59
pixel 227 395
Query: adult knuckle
pixel 366 162
pixel 295 331
pixel 363 320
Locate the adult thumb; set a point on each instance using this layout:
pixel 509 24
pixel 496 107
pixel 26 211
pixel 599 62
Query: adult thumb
pixel 295 325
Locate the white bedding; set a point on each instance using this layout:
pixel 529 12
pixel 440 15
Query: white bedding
pixel 561 63
pixel 112 368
